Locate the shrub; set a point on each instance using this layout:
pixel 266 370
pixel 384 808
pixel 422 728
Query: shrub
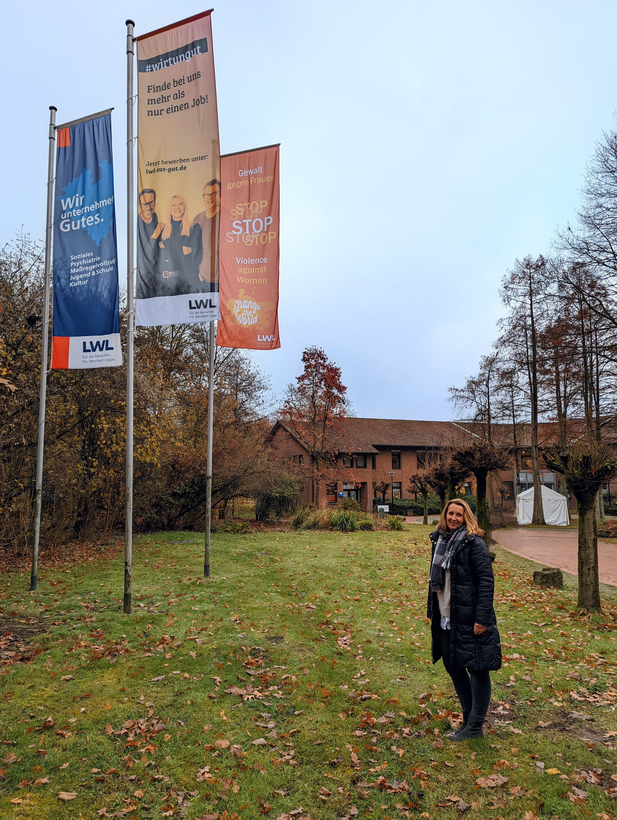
pixel 315 520
pixel 236 527
pixel 343 520
pixel 299 518
pixel 395 522
pixel 401 506
pixel 348 504
pixel 339 520
pixel 277 497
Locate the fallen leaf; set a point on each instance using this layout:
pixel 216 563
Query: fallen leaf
pixel 259 742
pixel 577 796
pixel 67 796
pixel 491 781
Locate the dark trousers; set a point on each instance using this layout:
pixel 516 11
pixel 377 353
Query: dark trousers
pixel 473 686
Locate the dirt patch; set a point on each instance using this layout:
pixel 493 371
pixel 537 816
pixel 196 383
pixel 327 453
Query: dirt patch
pixel 17 636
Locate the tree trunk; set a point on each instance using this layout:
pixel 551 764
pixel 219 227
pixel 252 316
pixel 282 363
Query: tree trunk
pixel 588 580
pixel 482 510
pixel 491 493
pixel 600 514
pixel 451 489
pixel 442 499
pixel 425 501
pixel 538 509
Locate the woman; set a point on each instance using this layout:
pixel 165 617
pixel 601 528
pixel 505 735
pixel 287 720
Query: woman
pixel 181 249
pixel 460 606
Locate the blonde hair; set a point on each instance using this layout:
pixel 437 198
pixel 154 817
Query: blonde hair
pixel 186 222
pixel 469 518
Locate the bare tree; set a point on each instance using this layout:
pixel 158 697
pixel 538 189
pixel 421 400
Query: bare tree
pixel 419 483
pixel 481 459
pixel 525 290
pixel 478 394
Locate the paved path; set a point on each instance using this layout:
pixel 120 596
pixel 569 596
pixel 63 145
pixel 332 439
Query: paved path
pixel 557 548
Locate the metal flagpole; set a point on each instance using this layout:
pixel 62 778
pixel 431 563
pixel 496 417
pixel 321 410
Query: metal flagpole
pixel 130 251
pixel 209 450
pixel 34 575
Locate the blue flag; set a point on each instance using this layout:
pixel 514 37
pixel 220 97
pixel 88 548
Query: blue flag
pixel 86 325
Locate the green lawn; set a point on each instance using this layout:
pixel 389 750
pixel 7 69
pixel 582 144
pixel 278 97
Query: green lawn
pixel 295 683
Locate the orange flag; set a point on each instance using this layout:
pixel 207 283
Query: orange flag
pixel 249 250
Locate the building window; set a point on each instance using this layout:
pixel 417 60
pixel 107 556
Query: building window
pixel 331 488
pixel 297 459
pixel 526 480
pixel 347 461
pixel 361 461
pixel 353 492
pixel 425 458
pixel 396 459
pixel 396 489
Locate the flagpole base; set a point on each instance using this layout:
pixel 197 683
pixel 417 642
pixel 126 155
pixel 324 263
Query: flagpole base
pixel 127 603
pixel 34 582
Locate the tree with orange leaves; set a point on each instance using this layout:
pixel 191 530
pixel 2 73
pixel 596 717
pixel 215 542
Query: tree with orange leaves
pixel 315 409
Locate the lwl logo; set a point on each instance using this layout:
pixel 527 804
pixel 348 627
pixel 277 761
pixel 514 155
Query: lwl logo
pixel 261 338
pixel 96 347
pixel 200 304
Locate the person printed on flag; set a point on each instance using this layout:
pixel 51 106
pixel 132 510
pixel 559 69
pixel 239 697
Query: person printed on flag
pixel 180 249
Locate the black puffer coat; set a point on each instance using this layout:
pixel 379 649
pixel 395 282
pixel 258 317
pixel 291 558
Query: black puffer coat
pixel 471 602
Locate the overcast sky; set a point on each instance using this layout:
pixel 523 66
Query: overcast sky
pixel 424 147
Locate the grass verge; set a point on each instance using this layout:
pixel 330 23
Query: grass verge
pixel 296 682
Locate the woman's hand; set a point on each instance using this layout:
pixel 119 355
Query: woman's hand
pixel 478 629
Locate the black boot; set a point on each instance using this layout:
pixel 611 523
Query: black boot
pixel 473 729
pixel 452 735
pixel 463 724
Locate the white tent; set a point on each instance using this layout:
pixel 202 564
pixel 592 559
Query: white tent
pixel 555 507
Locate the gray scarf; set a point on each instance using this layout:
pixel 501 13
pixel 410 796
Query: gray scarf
pixel 447 544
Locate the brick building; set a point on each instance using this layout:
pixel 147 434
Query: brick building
pixel 371 452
